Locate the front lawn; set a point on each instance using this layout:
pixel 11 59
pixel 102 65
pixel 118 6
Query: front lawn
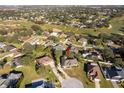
pixel 80 73
pixel 29 75
pixel 47 73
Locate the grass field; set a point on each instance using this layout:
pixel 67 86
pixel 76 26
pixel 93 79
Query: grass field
pixel 29 75
pixel 5 69
pixel 47 73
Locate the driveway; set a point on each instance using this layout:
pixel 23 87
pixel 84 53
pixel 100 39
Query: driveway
pixel 115 85
pixel 68 82
pixel 56 72
pixel 97 83
pixel 72 83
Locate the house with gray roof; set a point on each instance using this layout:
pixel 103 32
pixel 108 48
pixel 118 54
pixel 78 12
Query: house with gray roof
pixel 2 45
pixel 10 80
pixel 68 62
pixel 40 83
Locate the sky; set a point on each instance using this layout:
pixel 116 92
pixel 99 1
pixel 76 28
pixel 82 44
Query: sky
pixel 61 2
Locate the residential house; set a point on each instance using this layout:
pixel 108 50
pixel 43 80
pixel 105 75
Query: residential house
pixel 44 60
pixel 113 73
pixel 49 43
pixel 40 83
pixel 55 32
pixel 59 47
pixel 74 49
pixel 68 63
pixel 10 47
pixel 2 45
pixel 35 41
pixel 16 61
pixel 92 71
pixel 11 80
pixel 83 41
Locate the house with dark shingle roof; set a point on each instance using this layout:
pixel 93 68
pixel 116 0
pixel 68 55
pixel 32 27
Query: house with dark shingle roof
pixel 40 83
pixel 113 73
pixel 10 80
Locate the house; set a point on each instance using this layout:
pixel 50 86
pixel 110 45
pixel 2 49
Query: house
pixel 85 53
pixel 59 47
pixel 113 73
pixel 10 47
pixel 55 32
pixel 16 61
pixel 46 33
pixel 63 35
pixel 45 60
pixel 74 49
pixel 34 41
pixel 23 38
pixel 11 80
pixel 68 63
pixel 2 45
pixel 49 43
pixel 83 41
pixel 40 83
pixel 92 71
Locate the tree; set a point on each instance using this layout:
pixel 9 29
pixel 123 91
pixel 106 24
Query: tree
pixel 53 38
pixel 27 60
pixel 58 54
pixel 28 49
pixel 3 62
pixel 119 62
pixel 2 38
pixel 121 50
pixel 108 53
pixel 37 29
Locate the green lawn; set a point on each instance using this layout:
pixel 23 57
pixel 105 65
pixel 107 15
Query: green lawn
pixel 104 83
pixel 47 73
pixel 29 75
pixel 5 69
pixel 79 73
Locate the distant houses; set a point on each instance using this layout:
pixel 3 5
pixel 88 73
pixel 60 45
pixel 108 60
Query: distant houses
pixel 55 32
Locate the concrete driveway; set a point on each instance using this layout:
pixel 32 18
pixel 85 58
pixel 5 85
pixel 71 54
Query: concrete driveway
pixel 72 83
pixel 68 82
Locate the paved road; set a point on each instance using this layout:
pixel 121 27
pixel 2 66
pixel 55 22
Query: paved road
pixel 115 85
